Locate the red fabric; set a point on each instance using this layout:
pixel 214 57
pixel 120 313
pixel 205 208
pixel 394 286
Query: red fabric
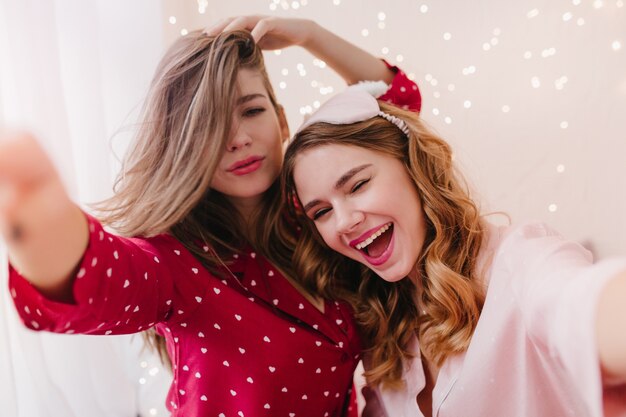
pixel 402 92
pixel 242 345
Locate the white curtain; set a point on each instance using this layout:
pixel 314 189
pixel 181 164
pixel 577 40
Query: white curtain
pixel 73 71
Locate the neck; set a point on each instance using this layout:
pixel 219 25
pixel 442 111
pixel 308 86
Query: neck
pixel 247 207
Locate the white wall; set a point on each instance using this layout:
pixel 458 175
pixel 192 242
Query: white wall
pixel 515 158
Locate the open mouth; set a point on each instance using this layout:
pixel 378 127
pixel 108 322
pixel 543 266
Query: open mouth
pixel 377 243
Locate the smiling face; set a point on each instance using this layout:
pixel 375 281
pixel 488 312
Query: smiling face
pixel 364 205
pixel 254 154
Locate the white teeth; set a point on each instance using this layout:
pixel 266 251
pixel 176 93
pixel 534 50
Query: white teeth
pixel 373 237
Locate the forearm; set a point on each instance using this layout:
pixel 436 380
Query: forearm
pixel 49 236
pixel 352 63
pixel 611 330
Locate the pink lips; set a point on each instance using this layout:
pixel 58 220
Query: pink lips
pixel 384 257
pixel 365 235
pixel 246 166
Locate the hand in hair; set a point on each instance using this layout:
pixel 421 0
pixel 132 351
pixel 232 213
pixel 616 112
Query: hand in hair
pixel 46 233
pixel 269 32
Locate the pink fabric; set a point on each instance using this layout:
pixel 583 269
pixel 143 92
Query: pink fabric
pixel 248 346
pixel 533 352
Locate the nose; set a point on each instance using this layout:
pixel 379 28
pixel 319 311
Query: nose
pixel 347 218
pixel 239 139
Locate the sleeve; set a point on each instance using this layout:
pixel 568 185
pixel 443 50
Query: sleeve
pixel 402 92
pixel 122 285
pixel 557 287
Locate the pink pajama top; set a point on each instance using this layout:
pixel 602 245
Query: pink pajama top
pixel 241 344
pixel 533 352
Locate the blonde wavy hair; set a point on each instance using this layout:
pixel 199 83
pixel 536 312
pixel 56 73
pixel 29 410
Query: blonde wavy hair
pixel 445 309
pixel 164 183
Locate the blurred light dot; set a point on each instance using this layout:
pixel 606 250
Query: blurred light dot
pixel 365 32
pixel 497 32
pixel 528 55
pixel 273 6
pixel 451 87
pixel 153 412
pixel 436 111
pixel 471 69
pixel 486 46
pixel 448 120
pixel 552 208
pixel 535 82
pixel 154 371
pixel 564 125
pixel 465 71
pixel 183 32
pixel 567 16
pixel 282 85
pixel 532 13
pixel 467 104
pixel 314 84
pixel 173 20
pixel 494 41
pixel 300 66
pixel 560 168
pixel 428 77
pixel 385 50
pixel 411 76
pixel 506 109
pixel 619 3
pixel 295 5
pixel 284 71
pixel 381 16
pixel 316 104
pixel 576 2
pixel 304 2
pixel 616 45
pixel 423 8
pixel 381 25
pixel 336 2
pixel 447 36
pixel 399 58
pixel 143 364
pixel 434 82
pixel 436 94
pixel 142 381
pixel 277 52
pixel 580 21
pixel 598 4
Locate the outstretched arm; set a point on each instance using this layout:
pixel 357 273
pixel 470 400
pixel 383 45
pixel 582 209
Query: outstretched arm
pixel 352 63
pixel 611 330
pixel 46 233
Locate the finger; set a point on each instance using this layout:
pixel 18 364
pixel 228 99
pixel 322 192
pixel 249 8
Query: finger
pixel 241 23
pixel 218 27
pixel 261 29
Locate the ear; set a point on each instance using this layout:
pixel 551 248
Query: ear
pixel 282 121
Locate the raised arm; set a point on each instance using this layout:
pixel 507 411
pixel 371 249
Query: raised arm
pixel 46 233
pixel 352 63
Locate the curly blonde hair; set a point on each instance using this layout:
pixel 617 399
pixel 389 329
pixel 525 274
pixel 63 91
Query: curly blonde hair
pixel 445 309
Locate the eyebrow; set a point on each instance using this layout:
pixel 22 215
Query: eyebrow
pixel 340 183
pixel 244 99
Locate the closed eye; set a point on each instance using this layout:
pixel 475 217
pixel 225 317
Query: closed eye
pixel 358 185
pixel 251 112
pixel 319 213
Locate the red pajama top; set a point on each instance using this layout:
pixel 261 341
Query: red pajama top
pixel 246 343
